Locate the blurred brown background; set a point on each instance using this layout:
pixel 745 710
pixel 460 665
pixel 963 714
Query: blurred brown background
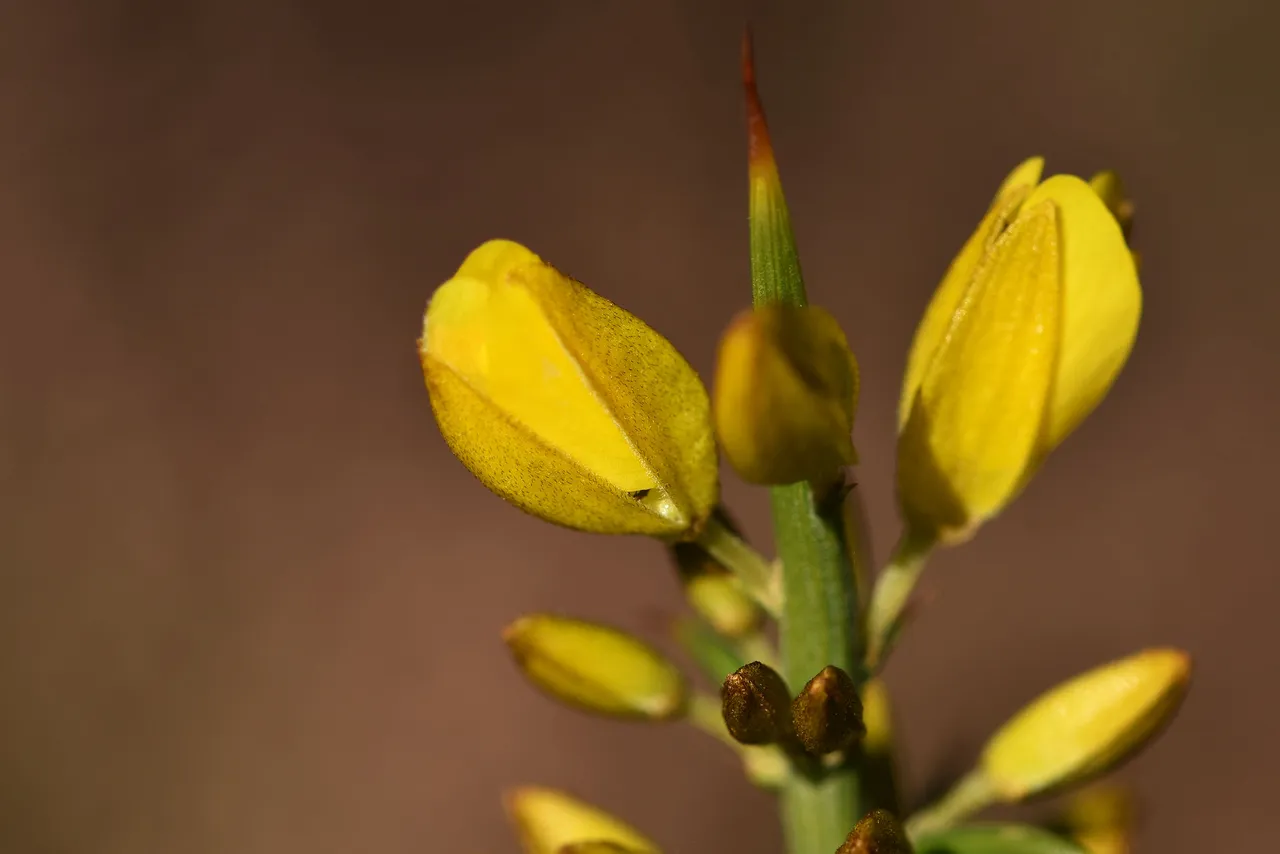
pixel 250 603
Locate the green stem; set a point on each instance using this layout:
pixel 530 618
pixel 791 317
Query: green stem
pixel 818 627
pixel 820 621
pixel 967 797
pixel 892 592
pixel 753 571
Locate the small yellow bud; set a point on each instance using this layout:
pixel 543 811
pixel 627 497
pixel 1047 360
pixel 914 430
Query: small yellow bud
pixel 548 820
pixel 877 714
pixel 1101 819
pixel 827 714
pixel 756 705
pixel 785 394
pixel 596 668
pixel 877 745
pixel 877 833
pixel 720 600
pixel 1022 340
pixel 1086 726
pixel 563 403
pixel 713 591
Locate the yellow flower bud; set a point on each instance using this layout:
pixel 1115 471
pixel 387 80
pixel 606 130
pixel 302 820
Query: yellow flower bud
pixel 548 820
pixel 1101 819
pixel 714 592
pixel 1029 328
pixel 1086 726
pixel 877 715
pixel 563 403
pixel 718 599
pixel 596 668
pixel 785 394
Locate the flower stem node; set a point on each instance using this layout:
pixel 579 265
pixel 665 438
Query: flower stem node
pixel 596 668
pixel 877 833
pixel 563 403
pixel 1086 726
pixel 785 395
pixel 1022 340
pixel 827 714
pixel 756 705
pixel 548 820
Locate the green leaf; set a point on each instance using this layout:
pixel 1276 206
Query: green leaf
pixel 996 839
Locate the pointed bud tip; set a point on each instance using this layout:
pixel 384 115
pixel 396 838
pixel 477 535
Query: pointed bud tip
pixel 877 833
pixel 759 148
pixel 755 703
pixel 827 714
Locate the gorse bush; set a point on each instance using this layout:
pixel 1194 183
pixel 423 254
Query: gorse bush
pixel 578 412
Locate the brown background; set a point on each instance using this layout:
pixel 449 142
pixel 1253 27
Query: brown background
pixel 250 603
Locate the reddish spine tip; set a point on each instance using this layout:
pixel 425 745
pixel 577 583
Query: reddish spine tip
pixel 759 148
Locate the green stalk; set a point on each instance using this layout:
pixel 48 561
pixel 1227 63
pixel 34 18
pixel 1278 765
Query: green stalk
pixel 817 628
pixel 971 794
pixel 819 623
pixel 893 590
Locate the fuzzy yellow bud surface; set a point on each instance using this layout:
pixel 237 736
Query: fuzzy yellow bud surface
pixel 1087 725
pixel 1022 340
pixel 785 395
pixel 548 820
pixel 565 404
pixel 596 668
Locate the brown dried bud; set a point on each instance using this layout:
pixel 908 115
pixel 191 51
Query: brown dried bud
pixel 827 715
pixel 878 833
pixel 755 704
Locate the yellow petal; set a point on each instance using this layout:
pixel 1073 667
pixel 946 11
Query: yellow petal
pixel 942 306
pixel 565 404
pixel 785 394
pixel 596 668
pixel 547 820
pixel 1101 303
pixel 980 405
pixel 1088 725
pixel 1025 174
